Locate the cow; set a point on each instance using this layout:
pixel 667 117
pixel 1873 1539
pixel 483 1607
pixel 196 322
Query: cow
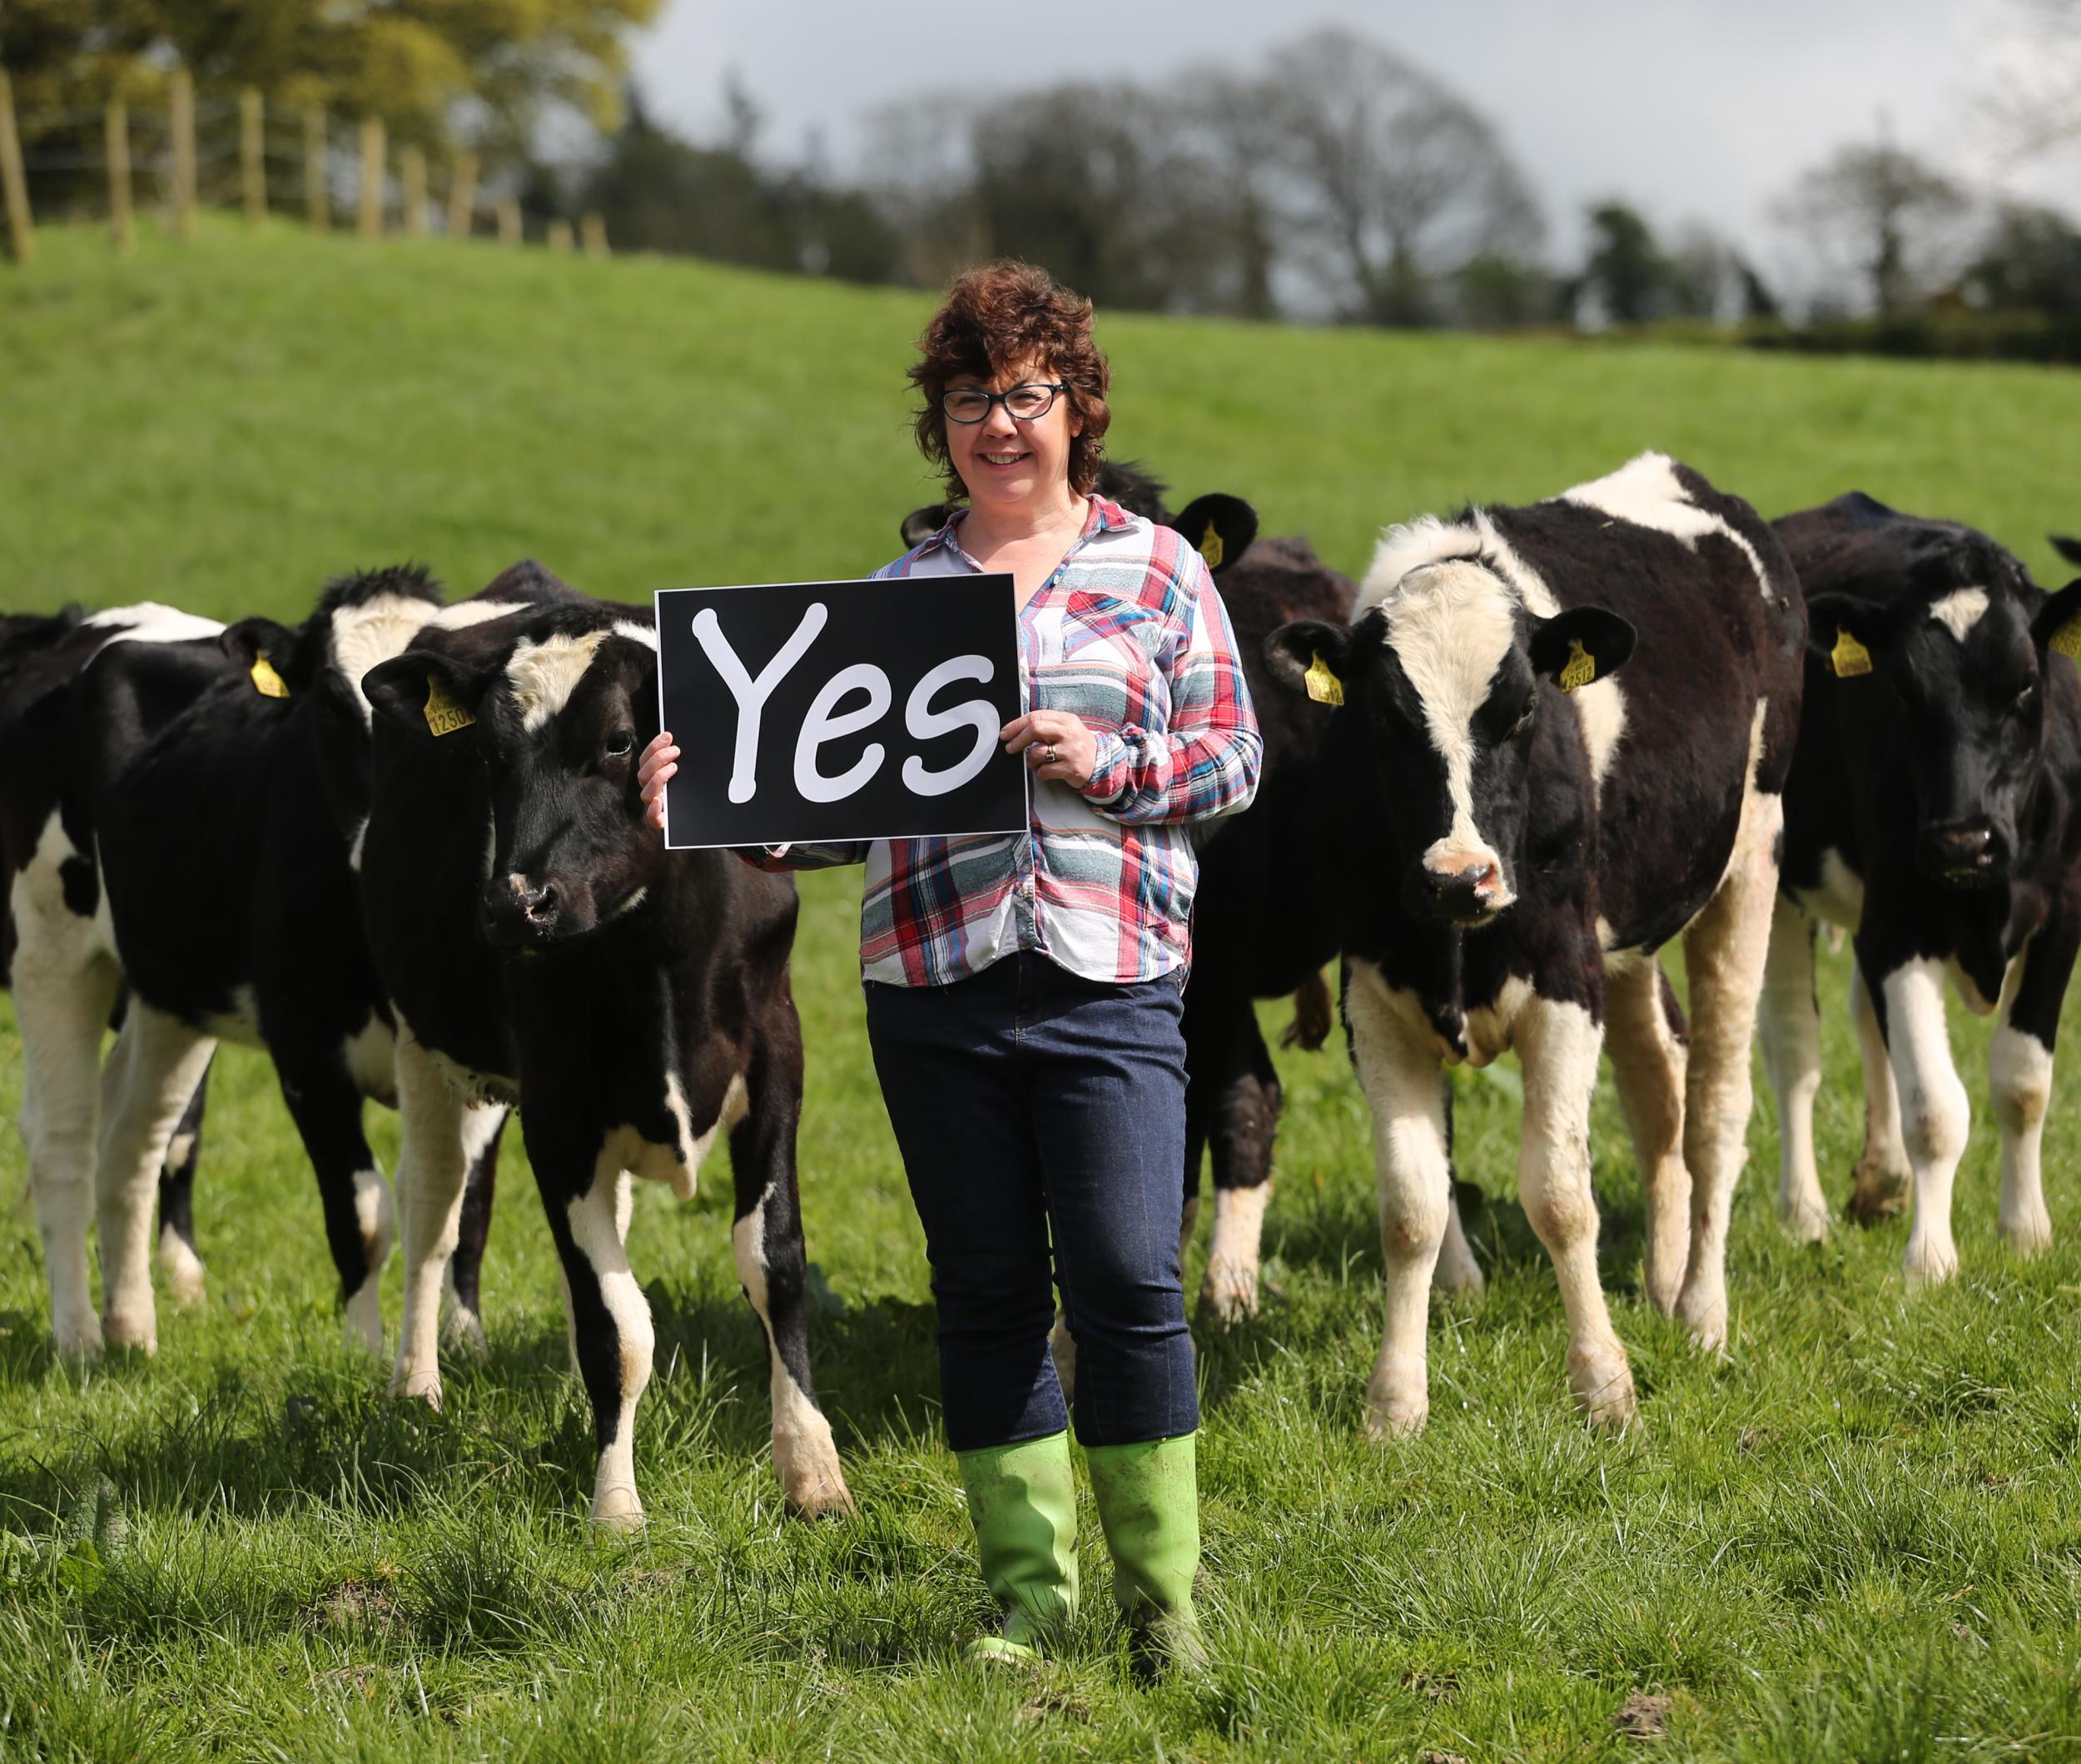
pixel 1934 811
pixel 1261 922
pixel 540 946
pixel 1559 740
pixel 68 986
pixel 223 873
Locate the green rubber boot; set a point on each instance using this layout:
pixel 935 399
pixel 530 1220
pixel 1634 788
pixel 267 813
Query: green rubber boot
pixel 1022 1500
pixel 1148 1505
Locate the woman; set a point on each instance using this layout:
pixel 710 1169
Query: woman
pixel 1023 991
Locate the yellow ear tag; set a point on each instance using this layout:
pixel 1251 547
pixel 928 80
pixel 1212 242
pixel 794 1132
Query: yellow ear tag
pixel 1323 686
pixel 444 715
pixel 1849 657
pixel 268 683
pixel 1580 668
pixel 1211 548
pixel 2067 639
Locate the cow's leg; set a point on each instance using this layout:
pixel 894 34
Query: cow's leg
pixel 1879 1186
pixel 431 1167
pixel 1456 1269
pixel 1726 950
pixel 2019 1073
pixel 1399 1072
pixel 772 1266
pixel 1791 1055
pixel 1557 1046
pixel 462 1323
pixel 610 1316
pixel 179 1267
pixel 1936 1116
pixel 62 994
pixel 325 1104
pixel 152 1072
pixel 1647 1062
pixel 1245 1122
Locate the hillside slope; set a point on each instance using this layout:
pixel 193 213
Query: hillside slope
pixel 226 425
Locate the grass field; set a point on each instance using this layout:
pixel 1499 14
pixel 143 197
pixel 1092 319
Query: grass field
pixel 1859 1535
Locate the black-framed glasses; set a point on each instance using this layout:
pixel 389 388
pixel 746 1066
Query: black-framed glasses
pixel 1023 403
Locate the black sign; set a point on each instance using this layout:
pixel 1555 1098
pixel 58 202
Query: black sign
pixel 841 710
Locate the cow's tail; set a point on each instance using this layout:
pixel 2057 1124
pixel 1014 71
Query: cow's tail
pixel 1311 1015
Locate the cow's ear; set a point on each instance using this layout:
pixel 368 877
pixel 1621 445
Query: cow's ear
pixel 1846 633
pixel 424 693
pixel 266 653
pixel 2058 625
pixel 1582 644
pixel 919 524
pixel 1310 657
pixel 1220 528
pixel 2069 548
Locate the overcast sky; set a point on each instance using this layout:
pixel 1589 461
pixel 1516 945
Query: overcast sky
pixel 1690 108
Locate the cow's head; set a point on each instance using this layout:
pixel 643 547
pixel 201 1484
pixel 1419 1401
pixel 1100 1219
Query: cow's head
pixel 360 618
pixel 1443 682
pixel 1962 655
pixel 556 704
pixel 1217 526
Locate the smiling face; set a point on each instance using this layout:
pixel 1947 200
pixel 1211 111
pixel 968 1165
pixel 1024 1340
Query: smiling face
pixel 1011 467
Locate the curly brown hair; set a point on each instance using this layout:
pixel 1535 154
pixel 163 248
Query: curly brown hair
pixel 1000 317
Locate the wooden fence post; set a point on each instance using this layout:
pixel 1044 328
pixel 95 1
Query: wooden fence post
pixel 593 229
pixel 411 165
pixel 183 95
pixel 317 171
pixel 252 164
pixel 462 196
pixel 559 236
pixel 509 220
pixel 116 137
pixel 371 223
pixel 21 236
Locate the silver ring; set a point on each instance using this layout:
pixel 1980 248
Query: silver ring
pixel 1047 756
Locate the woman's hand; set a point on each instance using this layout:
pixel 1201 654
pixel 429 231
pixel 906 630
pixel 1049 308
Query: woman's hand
pixel 1056 746
pixel 653 772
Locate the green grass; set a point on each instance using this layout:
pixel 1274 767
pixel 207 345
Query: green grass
pixel 1857 1536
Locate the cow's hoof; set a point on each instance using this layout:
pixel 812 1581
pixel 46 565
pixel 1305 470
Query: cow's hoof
pixel 1603 1386
pixel 79 1339
pixel 1705 1314
pixel 819 1497
pixel 1393 1412
pixel 2029 1235
pixel 616 1508
pixel 1877 1194
pixel 1229 1290
pixel 1928 1263
pixel 1805 1221
pixel 361 1322
pixel 131 1331
pixel 1456 1271
pixel 463 1333
pixel 182 1271
pixel 417 1386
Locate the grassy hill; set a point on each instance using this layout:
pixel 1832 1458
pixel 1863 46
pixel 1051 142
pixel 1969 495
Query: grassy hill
pixel 1859 1535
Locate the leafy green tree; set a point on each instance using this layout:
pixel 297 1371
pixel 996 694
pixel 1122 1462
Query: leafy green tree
pixel 1624 270
pixel 2030 261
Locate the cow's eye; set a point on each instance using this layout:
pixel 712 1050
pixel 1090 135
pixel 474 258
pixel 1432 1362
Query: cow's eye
pixel 2025 698
pixel 621 743
pixel 1524 717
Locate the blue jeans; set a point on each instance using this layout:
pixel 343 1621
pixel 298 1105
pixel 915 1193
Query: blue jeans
pixel 1029 1105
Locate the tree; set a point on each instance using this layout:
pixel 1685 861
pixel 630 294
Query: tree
pixel 1394 181
pixel 1624 272
pixel 2030 262
pixel 487 68
pixel 2033 106
pixel 1894 218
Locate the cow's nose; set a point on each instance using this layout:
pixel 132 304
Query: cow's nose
pixel 1460 894
pixel 537 905
pixel 515 911
pixel 1959 848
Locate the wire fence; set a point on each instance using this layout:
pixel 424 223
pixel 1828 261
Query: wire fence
pixel 332 173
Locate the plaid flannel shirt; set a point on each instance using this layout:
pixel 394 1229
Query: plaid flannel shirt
pixel 1129 635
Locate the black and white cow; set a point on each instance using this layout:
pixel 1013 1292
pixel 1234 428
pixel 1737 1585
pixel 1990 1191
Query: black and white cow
pixel 1935 812
pixel 67 984
pixel 1519 826
pixel 1261 926
pixel 540 945
pixel 222 841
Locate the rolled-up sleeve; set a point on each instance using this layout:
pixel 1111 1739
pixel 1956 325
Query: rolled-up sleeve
pixel 1206 759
